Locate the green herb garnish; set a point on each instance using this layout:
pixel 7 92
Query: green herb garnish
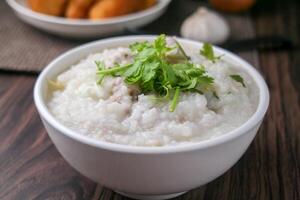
pixel 175 100
pixel 100 66
pixel 158 70
pixel 208 52
pixel 238 79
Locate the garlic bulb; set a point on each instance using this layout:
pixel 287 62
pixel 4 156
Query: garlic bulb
pixel 206 26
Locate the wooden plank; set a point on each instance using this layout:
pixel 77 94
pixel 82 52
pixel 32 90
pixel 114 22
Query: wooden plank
pixel 31 167
pixel 282 138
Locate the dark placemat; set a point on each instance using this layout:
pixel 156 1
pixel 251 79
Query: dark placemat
pixel 25 48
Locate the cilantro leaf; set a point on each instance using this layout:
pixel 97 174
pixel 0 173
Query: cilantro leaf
pixel 160 42
pixel 139 46
pixel 238 79
pixel 208 52
pixel 150 71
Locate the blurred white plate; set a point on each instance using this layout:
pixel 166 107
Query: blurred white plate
pixel 86 28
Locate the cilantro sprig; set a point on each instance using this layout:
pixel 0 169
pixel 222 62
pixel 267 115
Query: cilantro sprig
pixel 208 52
pixel 163 70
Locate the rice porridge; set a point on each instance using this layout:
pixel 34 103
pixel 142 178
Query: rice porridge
pixel 117 112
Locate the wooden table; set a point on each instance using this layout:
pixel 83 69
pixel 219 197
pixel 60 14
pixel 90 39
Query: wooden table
pixel 31 167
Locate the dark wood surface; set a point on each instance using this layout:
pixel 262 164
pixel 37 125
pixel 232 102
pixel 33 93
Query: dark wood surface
pixel 31 167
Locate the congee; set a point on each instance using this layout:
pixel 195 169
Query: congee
pixel 153 93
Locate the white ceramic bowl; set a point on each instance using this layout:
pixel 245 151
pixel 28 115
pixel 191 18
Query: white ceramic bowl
pixel 148 172
pixel 86 28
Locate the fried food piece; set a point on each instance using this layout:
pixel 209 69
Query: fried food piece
pixel 49 7
pixel 111 8
pixel 148 4
pixel 78 8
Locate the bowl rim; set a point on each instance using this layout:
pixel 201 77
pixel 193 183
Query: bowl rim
pixel 86 22
pixel 254 120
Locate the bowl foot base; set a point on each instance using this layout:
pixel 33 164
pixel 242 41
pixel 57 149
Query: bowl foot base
pixel 150 197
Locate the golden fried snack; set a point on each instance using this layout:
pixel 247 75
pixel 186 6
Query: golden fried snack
pixel 49 7
pixel 78 8
pixel 148 4
pixel 111 8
